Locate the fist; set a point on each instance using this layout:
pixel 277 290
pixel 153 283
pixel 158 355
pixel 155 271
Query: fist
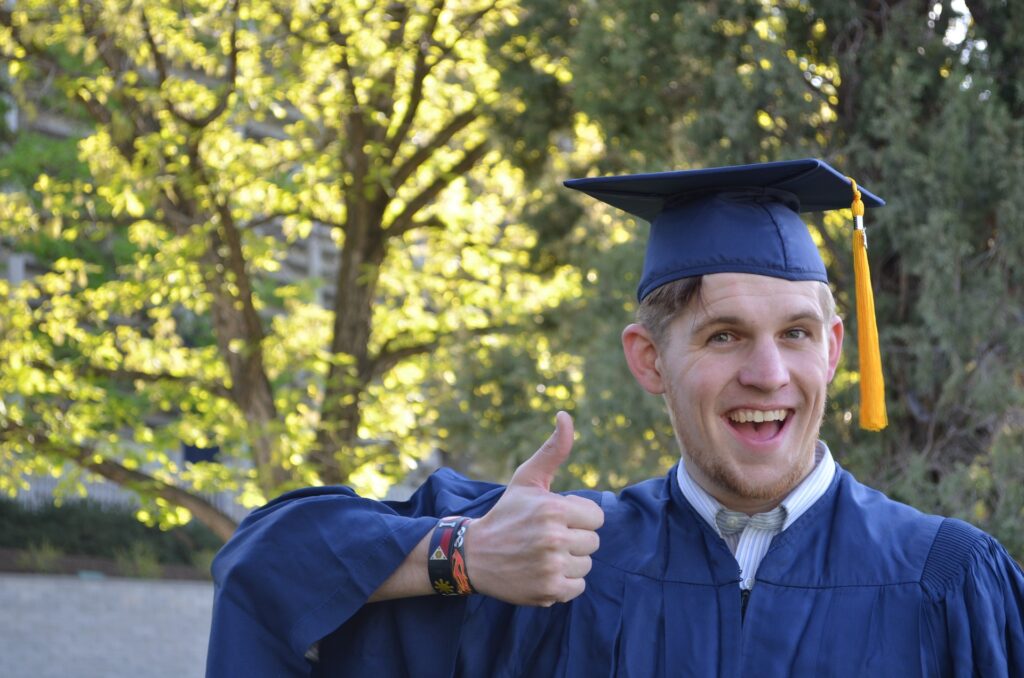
pixel 534 546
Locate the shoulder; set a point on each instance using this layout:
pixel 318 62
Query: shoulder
pixel 636 527
pixel 880 518
pixel 870 538
pixel 964 557
pixel 443 491
pixel 910 545
pixel 635 506
pixel 970 592
pixel 975 594
pixel 852 536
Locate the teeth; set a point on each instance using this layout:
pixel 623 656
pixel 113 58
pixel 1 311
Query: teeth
pixel 757 416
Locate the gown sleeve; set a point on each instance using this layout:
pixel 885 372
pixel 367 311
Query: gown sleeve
pixel 975 624
pixel 302 565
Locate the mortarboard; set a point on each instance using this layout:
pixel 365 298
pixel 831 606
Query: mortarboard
pixel 745 219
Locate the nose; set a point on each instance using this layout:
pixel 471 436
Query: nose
pixel 765 368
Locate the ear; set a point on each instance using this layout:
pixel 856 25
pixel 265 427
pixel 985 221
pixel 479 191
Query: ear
pixel 835 345
pixel 642 358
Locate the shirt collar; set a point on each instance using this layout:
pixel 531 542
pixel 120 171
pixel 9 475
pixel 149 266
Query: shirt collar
pixel 801 498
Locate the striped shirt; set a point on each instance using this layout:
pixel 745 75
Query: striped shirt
pixel 750 545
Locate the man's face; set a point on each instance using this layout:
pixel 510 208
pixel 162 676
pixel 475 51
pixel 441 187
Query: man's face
pixel 744 371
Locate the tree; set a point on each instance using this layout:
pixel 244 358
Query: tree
pixel 949 149
pixel 206 127
pixel 359 118
pixel 919 101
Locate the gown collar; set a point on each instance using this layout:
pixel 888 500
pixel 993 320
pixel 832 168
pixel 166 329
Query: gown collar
pixel 796 503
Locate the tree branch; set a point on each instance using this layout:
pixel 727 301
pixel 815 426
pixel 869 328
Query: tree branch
pixel 158 57
pixel 113 57
pixel 118 62
pixel 389 355
pixel 218 390
pixel 234 261
pixel 474 19
pixel 269 218
pixel 420 71
pixel 121 374
pixel 405 221
pixel 416 160
pixel 382 98
pixel 286 20
pixel 93 107
pixel 232 75
pixel 88 458
pixel 340 39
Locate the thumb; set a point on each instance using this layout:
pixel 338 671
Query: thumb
pixel 540 469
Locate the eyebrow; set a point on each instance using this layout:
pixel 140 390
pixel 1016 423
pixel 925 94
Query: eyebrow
pixel 733 320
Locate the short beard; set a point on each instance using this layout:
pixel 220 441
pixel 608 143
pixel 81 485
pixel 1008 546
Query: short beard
pixel 723 476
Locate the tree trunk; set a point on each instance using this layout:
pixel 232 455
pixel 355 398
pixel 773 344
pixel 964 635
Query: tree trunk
pixel 359 267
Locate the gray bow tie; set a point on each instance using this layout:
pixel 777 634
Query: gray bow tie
pixel 734 522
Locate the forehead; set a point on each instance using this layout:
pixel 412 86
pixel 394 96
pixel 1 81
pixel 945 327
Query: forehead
pixel 752 297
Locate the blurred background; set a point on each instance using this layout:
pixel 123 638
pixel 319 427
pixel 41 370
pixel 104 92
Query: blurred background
pixel 253 245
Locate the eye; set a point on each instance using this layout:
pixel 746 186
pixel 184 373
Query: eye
pixel 720 338
pixel 796 333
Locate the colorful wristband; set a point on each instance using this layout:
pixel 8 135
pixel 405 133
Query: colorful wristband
pixel 446 565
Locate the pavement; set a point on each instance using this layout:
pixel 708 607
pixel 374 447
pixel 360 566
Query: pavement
pixel 106 627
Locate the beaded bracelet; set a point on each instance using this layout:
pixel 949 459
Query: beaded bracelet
pixel 446 565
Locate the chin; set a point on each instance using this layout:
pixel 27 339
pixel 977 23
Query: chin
pixel 770 490
pixel 762 482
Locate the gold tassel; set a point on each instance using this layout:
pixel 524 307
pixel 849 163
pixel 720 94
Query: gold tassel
pixel 872 384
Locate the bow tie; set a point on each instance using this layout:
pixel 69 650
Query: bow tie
pixel 734 522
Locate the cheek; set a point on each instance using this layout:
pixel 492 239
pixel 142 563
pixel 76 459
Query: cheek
pixel 711 374
pixel 697 385
pixel 812 366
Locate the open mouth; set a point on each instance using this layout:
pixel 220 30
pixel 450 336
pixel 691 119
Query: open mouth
pixel 758 425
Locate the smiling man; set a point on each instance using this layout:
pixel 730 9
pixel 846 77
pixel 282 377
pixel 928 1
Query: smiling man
pixel 757 555
pixel 744 375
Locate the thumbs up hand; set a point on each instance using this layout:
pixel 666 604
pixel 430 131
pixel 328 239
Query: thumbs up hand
pixel 534 546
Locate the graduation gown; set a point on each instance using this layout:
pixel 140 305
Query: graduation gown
pixel 859 585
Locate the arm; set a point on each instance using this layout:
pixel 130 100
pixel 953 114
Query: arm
pixel 976 620
pixel 302 566
pixel 532 548
pixel 410 579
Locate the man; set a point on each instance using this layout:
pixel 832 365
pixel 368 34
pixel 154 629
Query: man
pixel 756 556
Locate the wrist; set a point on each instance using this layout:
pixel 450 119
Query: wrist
pixel 446 557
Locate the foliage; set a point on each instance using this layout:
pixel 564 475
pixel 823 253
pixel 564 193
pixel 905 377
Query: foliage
pixel 85 528
pixel 424 143
pixel 217 136
pixel 138 560
pixel 40 557
pixel 202 560
pixel 948 257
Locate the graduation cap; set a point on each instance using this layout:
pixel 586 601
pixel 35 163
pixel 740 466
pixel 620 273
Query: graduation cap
pixel 745 219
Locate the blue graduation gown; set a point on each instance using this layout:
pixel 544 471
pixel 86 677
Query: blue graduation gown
pixel 859 585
